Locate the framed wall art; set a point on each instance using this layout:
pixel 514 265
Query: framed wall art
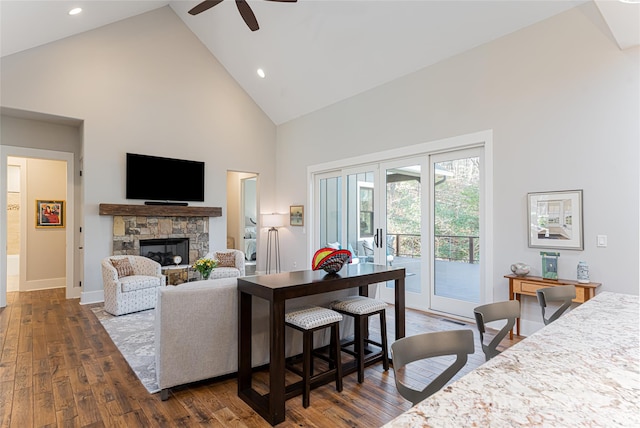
pixel 49 214
pixel 296 215
pixel 555 220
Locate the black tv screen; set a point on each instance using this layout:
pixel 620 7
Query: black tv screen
pixel 164 179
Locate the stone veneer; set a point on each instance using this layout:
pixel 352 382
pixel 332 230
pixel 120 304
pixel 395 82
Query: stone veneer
pixel 129 230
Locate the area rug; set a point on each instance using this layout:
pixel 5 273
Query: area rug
pixel 133 335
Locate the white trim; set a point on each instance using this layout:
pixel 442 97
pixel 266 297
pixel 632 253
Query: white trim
pixel 5 152
pixel 90 297
pixel 433 147
pixel 43 284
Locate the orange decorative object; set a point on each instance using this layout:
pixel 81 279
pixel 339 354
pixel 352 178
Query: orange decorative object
pixel 330 259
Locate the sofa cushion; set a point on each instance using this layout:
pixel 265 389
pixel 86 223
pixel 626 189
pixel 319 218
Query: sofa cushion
pixel 138 282
pixel 226 259
pixel 123 267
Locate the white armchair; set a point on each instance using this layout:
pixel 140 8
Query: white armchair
pixel 131 287
pixel 231 268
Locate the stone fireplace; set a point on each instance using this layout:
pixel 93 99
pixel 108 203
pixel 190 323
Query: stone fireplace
pixel 128 231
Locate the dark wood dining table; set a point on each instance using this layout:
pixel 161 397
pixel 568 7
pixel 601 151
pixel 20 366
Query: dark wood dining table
pixel 278 288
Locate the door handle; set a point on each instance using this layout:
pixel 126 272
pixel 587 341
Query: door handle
pixel 377 238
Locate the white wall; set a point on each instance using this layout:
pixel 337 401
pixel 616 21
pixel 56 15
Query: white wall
pixel 146 85
pixel 563 103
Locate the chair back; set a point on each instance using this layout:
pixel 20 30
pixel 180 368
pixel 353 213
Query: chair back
pixel 560 293
pixel 428 345
pixel 509 311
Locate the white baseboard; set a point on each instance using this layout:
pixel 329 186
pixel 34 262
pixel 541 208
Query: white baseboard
pixel 43 284
pixel 89 297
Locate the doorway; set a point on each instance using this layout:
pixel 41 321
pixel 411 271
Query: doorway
pixel 41 252
pixel 242 211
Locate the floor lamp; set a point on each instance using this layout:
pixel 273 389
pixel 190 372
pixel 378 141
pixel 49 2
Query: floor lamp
pixel 273 222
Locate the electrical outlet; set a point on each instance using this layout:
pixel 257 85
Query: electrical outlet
pixel 295 264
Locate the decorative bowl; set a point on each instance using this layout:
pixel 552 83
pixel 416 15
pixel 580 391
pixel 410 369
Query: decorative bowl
pixel 330 260
pixel 520 269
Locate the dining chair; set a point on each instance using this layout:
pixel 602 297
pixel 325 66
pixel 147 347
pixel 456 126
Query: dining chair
pixel 508 310
pixel 428 345
pixel 560 293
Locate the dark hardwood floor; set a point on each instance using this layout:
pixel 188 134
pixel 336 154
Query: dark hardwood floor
pixel 59 368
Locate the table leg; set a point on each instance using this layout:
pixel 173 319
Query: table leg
pixel 244 342
pixel 277 363
pixel 400 308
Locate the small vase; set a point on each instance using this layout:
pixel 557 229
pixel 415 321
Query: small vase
pixel 206 274
pixel 583 272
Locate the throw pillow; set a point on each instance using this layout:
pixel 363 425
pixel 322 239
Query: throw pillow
pixel 226 259
pixel 123 267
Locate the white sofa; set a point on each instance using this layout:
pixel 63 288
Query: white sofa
pixel 196 331
pixel 132 293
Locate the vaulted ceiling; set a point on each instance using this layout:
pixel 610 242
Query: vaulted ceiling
pixel 315 52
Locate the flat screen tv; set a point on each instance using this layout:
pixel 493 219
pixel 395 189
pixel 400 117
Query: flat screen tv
pixel 164 179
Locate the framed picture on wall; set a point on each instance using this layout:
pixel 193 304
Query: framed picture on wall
pixel 296 215
pixel 555 220
pixel 49 214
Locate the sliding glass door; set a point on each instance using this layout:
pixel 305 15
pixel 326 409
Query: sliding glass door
pixel 422 213
pixel 405 234
pixel 456 195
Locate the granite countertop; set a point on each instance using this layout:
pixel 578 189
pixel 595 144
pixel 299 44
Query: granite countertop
pixel 581 370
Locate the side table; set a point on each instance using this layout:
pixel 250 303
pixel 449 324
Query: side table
pixel 527 286
pixel 176 274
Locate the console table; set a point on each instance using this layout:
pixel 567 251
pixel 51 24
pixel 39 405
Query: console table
pixel 276 289
pixel 527 285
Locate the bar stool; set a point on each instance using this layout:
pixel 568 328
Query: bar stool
pixel 308 319
pixel 361 308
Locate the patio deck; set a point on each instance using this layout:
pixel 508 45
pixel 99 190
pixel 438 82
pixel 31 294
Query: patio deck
pixel 456 280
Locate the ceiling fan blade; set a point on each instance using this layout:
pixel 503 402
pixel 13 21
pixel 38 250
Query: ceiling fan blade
pixel 205 5
pixel 247 14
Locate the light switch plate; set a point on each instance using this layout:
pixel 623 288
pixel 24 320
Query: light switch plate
pixel 601 241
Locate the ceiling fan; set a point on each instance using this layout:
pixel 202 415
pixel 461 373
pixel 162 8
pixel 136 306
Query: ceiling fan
pixel 243 8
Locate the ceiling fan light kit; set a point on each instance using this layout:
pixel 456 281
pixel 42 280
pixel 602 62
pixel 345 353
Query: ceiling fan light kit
pixel 243 7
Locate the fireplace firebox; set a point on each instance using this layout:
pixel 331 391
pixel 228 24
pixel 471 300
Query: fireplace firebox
pixel 164 251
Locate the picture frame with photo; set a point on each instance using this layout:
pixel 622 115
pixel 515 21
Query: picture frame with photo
pixel 296 215
pixel 555 220
pixel 50 214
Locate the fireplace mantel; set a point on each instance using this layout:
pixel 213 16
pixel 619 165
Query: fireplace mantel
pixel 159 210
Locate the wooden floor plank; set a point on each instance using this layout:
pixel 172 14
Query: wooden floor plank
pixel 57 358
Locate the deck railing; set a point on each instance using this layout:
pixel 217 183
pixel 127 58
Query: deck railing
pixel 457 248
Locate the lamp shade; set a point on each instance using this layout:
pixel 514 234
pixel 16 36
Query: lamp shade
pixel 272 220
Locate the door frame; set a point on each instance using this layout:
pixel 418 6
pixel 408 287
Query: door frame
pixel 24 152
pixel 482 139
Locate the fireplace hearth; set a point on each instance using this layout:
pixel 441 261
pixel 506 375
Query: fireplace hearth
pixel 163 251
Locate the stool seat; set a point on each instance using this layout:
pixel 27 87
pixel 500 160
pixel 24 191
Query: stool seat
pixel 310 317
pixel 361 308
pixel 358 305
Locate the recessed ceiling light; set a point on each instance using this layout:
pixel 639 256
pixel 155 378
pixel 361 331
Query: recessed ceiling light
pixel 261 73
pixel 75 11
pixel 629 1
